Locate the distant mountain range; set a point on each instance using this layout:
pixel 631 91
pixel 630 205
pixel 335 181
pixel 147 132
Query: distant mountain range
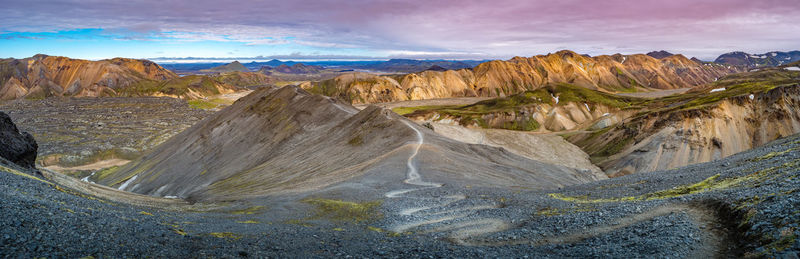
pixel 298 68
pixel 769 59
pixel 389 66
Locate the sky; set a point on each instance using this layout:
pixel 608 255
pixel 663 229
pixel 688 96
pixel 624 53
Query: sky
pixel 420 29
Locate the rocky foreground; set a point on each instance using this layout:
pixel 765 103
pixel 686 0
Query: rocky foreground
pixel 743 205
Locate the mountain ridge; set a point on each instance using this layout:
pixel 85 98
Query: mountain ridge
pixel 609 73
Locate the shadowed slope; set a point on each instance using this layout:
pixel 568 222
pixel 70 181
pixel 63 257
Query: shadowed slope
pixel 288 141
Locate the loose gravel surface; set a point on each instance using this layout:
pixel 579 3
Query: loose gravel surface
pixel 77 131
pixel 745 205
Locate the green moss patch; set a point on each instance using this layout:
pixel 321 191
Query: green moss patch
pixel 346 211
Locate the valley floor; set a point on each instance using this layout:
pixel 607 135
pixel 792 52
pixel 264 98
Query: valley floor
pixel 744 205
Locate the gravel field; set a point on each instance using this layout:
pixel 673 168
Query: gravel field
pixel 750 209
pixel 78 131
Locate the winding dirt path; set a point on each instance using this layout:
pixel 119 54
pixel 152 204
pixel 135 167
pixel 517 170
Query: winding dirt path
pixel 437 210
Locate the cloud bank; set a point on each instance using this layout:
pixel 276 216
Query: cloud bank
pixel 434 29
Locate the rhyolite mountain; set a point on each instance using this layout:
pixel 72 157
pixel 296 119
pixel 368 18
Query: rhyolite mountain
pixel 769 59
pixel 627 135
pixel 614 73
pixel 43 76
pixel 286 140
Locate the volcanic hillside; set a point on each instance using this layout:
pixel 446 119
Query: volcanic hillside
pixel 230 67
pixel 629 135
pixel 44 76
pixel 615 73
pixel 290 141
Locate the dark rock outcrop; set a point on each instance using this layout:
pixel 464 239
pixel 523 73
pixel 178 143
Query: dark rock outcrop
pixel 659 54
pixel 17 147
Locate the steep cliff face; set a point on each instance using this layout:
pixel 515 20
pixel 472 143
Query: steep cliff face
pixel 737 114
pixel 616 73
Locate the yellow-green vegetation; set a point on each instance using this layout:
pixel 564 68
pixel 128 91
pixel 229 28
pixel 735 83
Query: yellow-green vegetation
pixel 201 104
pixel 345 210
pixel 226 235
pixel 12 171
pixel 248 211
pixel 338 229
pixel 356 141
pixel 567 93
pixel 207 104
pixel 177 87
pixel 248 222
pixel 146 213
pixel 709 184
pixel 740 84
pixel 285 83
pixel 409 110
pixel 773 154
pixel 376 229
pixel 242 79
pixel 298 222
pixel 179 231
pixel 79 194
pixel 547 212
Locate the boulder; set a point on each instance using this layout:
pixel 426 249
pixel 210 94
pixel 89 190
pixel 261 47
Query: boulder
pixel 15 146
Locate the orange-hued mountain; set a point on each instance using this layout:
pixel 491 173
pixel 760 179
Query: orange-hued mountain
pixel 614 73
pixel 44 76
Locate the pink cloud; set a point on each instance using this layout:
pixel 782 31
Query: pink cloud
pixel 498 28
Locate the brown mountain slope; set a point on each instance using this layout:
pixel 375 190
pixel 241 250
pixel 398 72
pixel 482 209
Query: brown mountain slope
pixel 243 79
pixel 616 73
pixel 737 113
pixel 626 135
pixel 279 141
pixel 44 76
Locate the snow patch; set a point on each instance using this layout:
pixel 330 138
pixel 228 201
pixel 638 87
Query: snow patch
pixel 623 59
pixel 718 89
pixel 606 114
pixel 752 96
pixel 793 68
pixel 171 197
pixel 587 107
pixel 555 98
pixel 774 54
pixel 126 183
pixel 86 179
